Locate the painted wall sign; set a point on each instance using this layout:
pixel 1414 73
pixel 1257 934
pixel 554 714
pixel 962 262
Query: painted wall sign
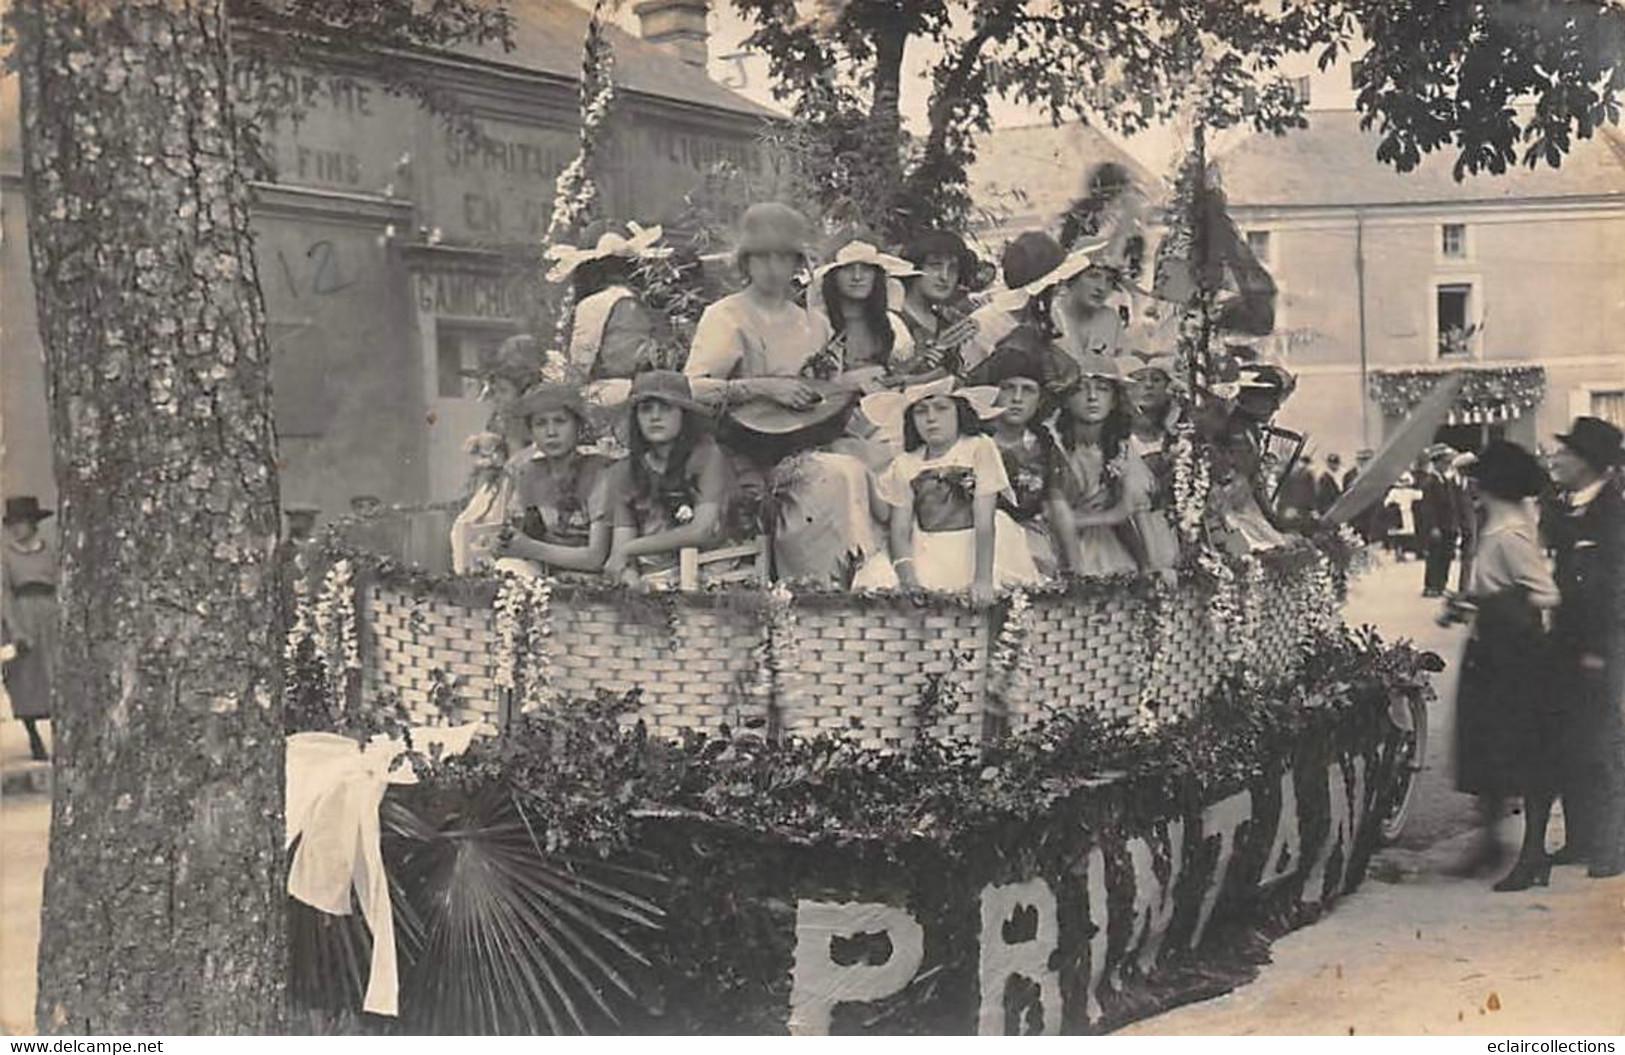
pixel 469 294
pixel 332 131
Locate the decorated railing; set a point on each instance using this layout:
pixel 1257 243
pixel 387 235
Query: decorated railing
pixel 1149 649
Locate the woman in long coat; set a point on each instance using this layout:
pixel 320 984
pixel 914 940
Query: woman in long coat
pixel 28 615
pixel 1509 725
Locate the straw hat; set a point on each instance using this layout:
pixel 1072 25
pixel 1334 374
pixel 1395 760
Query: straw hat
pixel 1035 262
pixel 859 250
pixel 637 244
pixel 887 410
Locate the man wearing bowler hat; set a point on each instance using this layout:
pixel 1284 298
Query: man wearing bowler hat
pixel 1586 531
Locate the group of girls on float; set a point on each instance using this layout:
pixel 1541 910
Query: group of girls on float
pixel 900 438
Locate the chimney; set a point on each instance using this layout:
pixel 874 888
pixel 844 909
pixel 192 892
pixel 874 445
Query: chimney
pixel 677 27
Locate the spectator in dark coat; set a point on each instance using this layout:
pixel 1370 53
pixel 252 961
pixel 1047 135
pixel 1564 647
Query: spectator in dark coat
pixel 1438 520
pixel 1587 534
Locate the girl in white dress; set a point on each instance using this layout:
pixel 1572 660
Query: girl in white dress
pixel 947 532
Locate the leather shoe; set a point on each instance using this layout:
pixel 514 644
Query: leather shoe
pixel 1606 871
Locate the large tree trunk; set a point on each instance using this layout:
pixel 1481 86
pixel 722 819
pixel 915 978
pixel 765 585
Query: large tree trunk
pixel 163 904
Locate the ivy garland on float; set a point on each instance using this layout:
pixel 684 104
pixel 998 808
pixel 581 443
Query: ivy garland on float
pixel 590 858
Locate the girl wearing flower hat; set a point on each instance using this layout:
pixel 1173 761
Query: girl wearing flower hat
pixel 855 288
pixel 559 493
pixel 1105 482
pixel 612 334
pixel 1039 275
pixel 672 490
pixel 947 532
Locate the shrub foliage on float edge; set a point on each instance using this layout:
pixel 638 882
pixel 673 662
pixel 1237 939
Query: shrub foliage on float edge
pixel 676 862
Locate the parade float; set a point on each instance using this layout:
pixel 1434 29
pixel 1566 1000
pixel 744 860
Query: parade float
pixel 536 805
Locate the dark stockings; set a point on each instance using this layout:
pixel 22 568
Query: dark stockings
pixel 36 746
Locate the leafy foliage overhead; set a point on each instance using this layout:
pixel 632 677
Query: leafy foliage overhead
pixel 1438 74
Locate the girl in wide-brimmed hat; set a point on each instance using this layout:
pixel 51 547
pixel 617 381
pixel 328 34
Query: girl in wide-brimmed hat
pixel 672 490
pixel 560 493
pixel 947 532
pixel 1107 485
pixel 856 289
pixel 612 333
pixel 28 615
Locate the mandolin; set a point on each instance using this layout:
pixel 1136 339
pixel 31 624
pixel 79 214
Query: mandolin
pixel 839 391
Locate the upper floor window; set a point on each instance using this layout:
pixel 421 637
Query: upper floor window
pixel 1259 243
pixel 1355 69
pixel 1300 89
pixel 1453 318
pixel 1453 241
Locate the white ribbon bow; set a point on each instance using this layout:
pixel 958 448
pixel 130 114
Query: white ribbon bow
pixel 566 258
pixel 334 788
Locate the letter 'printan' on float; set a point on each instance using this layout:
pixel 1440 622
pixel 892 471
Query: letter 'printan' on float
pixel 818 983
pixel 1286 848
pixel 1222 820
pixel 1342 830
pixel 1153 900
pixel 1020 933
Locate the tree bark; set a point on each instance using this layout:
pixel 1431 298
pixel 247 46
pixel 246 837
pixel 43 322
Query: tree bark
pixel 163 895
pixel 885 108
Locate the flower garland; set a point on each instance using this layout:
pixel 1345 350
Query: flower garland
pixel 336 631
pixel 524 661
pixel 1007 681
pixel 575 191
pixel 1157 615
pixel 1248 630
pixel 1490 393
pixel 509 607
pixel 1192 483
pixel 775 652
pixel 300 629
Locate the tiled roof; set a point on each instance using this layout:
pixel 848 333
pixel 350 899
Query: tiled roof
pixel 1333 163
pixel 1034 172
pixel 547 36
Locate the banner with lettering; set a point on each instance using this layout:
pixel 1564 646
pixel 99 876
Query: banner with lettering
pixel 1123 901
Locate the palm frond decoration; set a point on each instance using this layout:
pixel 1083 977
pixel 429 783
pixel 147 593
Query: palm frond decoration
pixel 330 956
pixel 515 940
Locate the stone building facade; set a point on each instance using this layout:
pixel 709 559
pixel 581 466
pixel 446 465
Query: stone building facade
pixel 391 250
pixel 1378 268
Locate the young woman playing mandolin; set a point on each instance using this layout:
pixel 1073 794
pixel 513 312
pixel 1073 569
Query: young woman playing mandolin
pixel 771 366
